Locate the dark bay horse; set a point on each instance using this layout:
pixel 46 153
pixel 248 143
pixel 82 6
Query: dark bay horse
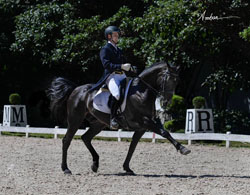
pixel 76 104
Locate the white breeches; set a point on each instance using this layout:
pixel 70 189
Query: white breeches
pixel 113 83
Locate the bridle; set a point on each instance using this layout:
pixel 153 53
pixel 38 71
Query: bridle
pixel 160 93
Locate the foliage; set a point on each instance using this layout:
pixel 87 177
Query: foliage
pixel 64 38
pixel 224 82
pixel 177 110
pixel 37 28
pixel 172 31
pixel 83 38
pixel 230 64
pixel 228 79
pixel 231 120
pixel 245 34
pixel 177 106
pixel 163 31
pixel 199 102
pixel 15 99
pixel 175 125
pixel 168 30
pixel 52 33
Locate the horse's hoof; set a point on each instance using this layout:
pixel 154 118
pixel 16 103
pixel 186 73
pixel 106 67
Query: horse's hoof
pixel 184 150
pixel 67 172
pixel 130 172
pixel 94 167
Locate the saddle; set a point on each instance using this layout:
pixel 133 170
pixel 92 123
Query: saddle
pixel 102 98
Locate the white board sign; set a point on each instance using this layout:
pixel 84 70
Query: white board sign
pixel 14 115
pixel 199 121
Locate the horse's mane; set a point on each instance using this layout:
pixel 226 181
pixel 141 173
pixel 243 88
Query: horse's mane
pixel 153 67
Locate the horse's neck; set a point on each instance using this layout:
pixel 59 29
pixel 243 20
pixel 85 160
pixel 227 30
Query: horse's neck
pixel 142 92
pixel 151 77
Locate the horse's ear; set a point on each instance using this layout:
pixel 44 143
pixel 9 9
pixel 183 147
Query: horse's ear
pixel 170 65
pixel 173 67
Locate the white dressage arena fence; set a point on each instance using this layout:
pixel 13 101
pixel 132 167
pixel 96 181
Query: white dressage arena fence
pixel 228 137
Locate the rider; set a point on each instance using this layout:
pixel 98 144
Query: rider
pixel 114 64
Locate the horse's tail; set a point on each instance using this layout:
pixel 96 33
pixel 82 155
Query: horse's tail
pixel 58 93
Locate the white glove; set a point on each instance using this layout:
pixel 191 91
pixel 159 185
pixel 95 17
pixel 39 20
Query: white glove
pixel 126 66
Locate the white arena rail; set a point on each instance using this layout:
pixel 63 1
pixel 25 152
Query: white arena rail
pixel 127 134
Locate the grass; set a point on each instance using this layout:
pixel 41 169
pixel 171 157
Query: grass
pixel 13 134
pixel 208 143
pixel 223 144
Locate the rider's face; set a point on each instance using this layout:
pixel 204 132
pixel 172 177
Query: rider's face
pixel 115 37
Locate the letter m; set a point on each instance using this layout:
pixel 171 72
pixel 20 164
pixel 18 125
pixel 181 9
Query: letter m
pixel 17 113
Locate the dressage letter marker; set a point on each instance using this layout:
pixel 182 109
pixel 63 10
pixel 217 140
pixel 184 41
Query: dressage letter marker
pixel 14 115
pixel 199 121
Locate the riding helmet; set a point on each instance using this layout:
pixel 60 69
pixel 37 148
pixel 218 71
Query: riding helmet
pixel 109 30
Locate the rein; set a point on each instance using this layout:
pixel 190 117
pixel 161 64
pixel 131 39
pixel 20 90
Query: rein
pixel 162 90
pixel 149 86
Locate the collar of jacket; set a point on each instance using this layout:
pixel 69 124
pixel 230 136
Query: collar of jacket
pixel 113 45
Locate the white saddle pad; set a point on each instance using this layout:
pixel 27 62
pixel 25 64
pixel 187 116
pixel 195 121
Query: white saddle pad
pixel 101 99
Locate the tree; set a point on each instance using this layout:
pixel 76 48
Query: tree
pixel 230 66
pixel 64 38
pixel 176 31
pixel 50 39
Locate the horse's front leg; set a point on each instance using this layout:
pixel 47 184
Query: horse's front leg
pixel 157 127
pixel 136 137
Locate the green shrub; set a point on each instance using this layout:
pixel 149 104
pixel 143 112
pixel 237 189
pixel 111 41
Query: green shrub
pixel 15 99
pixel 177 111
pixel 199 102
pixel 169 125
pixel 245 34
pixel 231 120
pixel 175 125
pixel 177 107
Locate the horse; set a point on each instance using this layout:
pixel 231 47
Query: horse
pixel 76 104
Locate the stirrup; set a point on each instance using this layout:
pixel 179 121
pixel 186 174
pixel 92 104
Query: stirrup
pixel 114 124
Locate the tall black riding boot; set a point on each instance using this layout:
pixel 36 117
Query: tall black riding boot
pixel 114 107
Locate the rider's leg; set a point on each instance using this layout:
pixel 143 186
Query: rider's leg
pixel 113 86
pixel 114 90
pixel 114 107
pixel 113 83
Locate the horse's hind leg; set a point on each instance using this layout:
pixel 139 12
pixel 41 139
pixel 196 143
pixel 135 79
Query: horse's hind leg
pixel 95 128
pixel 74 123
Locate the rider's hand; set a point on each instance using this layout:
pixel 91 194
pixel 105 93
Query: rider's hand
pixel 126 66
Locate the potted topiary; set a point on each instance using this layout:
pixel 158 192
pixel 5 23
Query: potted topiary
pixel 199 119
pixel 15 99
pixel 199 102
pixel 15 113
pixel 176 110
